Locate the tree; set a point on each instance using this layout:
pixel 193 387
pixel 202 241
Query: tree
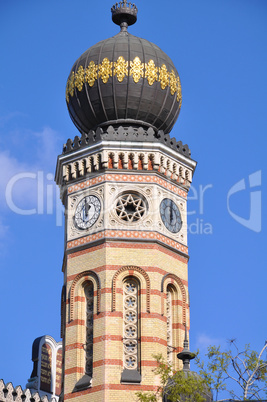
pixel 174 385
pixel 245 368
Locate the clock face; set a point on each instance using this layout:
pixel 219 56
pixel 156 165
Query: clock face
pixel 87 212
pixel 170 215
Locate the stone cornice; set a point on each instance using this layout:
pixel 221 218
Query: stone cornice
pixel 163 159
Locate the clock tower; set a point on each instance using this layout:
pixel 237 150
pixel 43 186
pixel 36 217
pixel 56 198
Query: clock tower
pixel 124 183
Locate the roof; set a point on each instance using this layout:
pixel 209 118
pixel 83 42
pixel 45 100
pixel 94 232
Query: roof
pixel 9 393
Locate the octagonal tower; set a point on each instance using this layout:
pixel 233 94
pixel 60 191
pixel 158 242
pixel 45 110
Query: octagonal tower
pixel 124 184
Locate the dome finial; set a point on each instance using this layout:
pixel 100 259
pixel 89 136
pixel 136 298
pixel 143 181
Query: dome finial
pixel 186 355
pixel 124 14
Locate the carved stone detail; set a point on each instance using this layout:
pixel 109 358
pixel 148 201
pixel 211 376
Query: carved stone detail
pixel 131 270
pixel 128 161
pixel 130 324
pixel 73 230
pixel 130 207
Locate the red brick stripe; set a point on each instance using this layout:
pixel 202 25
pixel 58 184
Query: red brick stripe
pixel 177 303
pixel 74 370
pixel 117 267
pixel 108 362
pixel 153 315
pixel 107 338
pixel 74 346
pixel 108 314
pixel 132 177
pixel 149 363
pixel 106 290
pixel 75 322
pixel 120 315
pixel 133 235
pixel 153 339
pixel 146 246
pixel 178 326
pixel 117 338
pixel 115 387
pixel 155 292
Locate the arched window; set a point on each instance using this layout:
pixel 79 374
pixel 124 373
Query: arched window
pixel 84 304
pixel 169 314
pixel 87 311
pixel 175 308
pixel 131 331
pixel 110 161
pixel 121 161
pixel 89 335
pixel 140 162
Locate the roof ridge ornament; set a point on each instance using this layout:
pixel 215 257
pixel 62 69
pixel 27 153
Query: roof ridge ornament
pixel 186 355
pixel 124 14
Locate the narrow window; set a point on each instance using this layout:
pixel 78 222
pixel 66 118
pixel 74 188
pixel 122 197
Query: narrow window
pixel 140 162
pixel 150 162
pixel 83 170
pixel 130 161
pixel 120 162
pixel 169 314
pixel 88 313
pixel 89 296
pixel 110 161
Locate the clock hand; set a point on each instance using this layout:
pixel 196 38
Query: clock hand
pixel 171 214
pixel 87 207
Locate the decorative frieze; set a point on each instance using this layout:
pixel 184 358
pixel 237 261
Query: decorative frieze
pixel 129 161
pixel 120 69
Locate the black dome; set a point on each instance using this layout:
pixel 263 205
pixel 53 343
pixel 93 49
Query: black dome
pixel 124 80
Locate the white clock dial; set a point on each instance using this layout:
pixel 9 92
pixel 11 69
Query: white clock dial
pixel 87 212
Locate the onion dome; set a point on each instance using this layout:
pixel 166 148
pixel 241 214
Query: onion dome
pixel 124 81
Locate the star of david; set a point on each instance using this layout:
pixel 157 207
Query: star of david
pixel 130 207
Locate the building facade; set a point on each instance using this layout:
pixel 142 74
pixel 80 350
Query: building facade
pixel 46 376
pixel 124 183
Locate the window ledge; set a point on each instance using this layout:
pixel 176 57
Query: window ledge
pixel 130 376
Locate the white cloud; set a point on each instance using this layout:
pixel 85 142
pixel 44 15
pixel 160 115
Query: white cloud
pixel 9 167
pixel 204 340
pixel 3 229
pixel 4 236
pixel 10 116
pixel 48 149
pixel 23 179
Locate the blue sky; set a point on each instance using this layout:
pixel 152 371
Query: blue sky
pixel 219 50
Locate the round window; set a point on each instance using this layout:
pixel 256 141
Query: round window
pixel 130 207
